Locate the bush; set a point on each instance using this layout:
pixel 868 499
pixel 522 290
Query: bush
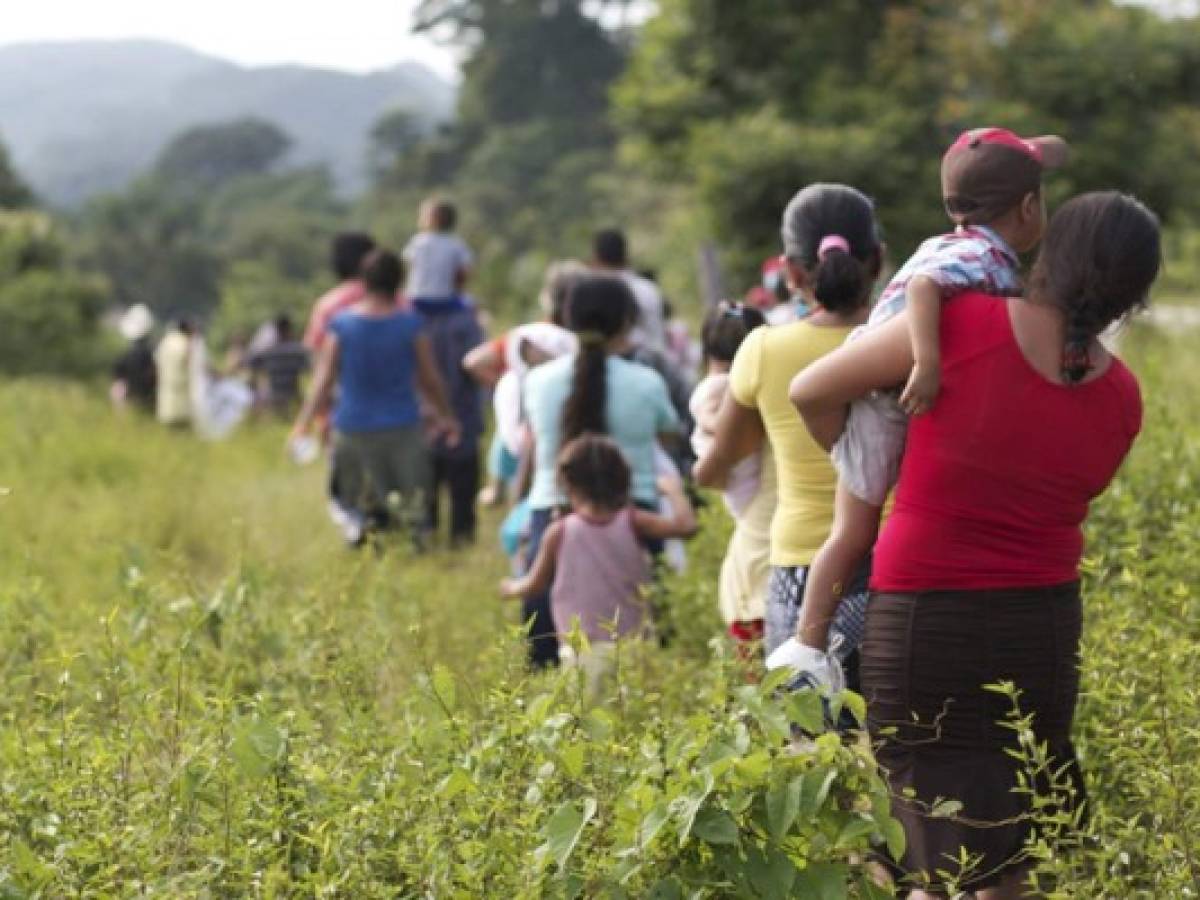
pixel 49 324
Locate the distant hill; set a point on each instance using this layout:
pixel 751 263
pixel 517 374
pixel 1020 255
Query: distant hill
pixel 85 117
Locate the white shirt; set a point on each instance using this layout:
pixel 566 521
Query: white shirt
pixel 650 330
pixel 434 260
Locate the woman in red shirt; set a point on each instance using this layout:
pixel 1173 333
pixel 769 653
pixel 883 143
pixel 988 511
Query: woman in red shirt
pixel 975 575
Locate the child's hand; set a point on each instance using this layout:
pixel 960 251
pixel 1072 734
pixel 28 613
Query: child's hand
pixel 922 389
pixel 510 587
pixel 669 485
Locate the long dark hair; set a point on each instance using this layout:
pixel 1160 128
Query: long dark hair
pixel 841 275
pixel 1101 253
pixel 599 308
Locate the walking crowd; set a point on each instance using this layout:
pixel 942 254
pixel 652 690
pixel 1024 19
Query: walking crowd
pixel 907 463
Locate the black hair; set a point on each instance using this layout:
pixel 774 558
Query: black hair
pixel 557 284
pixel 841 280
pixel 382 272
pixel 609 248
pixel 283 326
pixel 593 467
pixel 1099 257
pixel 444 215
pixel 726 326
pixel 600 308
pixel 348 250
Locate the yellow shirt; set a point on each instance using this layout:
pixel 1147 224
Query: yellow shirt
pixel 764 367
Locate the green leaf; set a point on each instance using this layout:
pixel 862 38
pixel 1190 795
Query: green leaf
pixel 667 889
pixel 804 708
pixel 652 824
pixel 443 686
pixel 771 874
pixel 783 805
pixel 598 724
pixel 853 831
pixel 457 782
pixel 945 809
pixel 893 834
pixel 815 790
pixel 715 826
pixel 563 830
pixel 257 746
pixel 572 760
pixel 857 706
pixel 823 881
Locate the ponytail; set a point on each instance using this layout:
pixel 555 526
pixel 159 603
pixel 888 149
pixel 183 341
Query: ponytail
pixel 584 412
pixel 599 308
pixel 840 280
pixel 830 229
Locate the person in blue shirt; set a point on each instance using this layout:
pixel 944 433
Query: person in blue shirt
pixel 383 365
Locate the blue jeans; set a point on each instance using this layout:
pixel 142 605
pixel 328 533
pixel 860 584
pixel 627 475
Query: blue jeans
pixel 535 610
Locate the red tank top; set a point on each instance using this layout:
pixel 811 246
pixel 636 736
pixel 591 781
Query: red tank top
pixel 996 480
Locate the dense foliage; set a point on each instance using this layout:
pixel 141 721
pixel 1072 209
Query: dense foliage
pixel 206 696
pixel 748 100
pixel 49 314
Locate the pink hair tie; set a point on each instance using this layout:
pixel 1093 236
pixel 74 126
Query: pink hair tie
pixel 830 243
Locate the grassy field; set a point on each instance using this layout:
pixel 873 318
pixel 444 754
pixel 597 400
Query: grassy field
pixel 207 696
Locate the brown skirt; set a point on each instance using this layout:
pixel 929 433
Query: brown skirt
pixel 937 732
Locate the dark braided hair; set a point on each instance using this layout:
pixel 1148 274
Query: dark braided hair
pixel 600 307
pixel 1101 254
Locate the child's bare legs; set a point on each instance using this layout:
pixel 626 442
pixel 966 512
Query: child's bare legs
pixel 855 525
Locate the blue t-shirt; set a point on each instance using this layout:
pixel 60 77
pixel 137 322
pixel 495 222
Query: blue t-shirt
pixel 377 363
pixel 637 410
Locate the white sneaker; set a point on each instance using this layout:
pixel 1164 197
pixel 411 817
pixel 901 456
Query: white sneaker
pixel 347 522
pixel 811 667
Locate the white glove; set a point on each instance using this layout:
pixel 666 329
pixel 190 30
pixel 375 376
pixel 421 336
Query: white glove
pixel 812 667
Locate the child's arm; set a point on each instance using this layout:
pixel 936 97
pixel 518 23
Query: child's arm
pixel 540 575
pixel 923 297
pixel 680 523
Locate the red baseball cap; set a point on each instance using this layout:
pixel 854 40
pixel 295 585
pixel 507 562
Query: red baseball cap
pixel 988 170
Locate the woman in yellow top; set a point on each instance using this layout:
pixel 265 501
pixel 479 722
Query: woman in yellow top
pixel 833 251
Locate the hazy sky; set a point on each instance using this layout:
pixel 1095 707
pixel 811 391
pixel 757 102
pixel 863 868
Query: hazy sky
pixel 357 35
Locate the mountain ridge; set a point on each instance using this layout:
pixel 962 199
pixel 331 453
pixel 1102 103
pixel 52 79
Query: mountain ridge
pixel 86 117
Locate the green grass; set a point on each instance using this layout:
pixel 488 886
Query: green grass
pixel 206 695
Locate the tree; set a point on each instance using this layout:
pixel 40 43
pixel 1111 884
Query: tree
pixel 49 315
pixel 14 193
pixel 396 134
pixel 750 101
pixel 207 156
pixel 532 130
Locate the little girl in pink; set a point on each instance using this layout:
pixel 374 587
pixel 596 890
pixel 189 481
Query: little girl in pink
pixel 593 559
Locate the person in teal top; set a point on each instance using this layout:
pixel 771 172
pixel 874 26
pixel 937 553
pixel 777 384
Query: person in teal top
pixel 637 409
pixel 594 391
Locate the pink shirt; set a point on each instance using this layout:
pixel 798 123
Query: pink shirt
pixel 997 478
pixel 329 305
pixel 598 577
